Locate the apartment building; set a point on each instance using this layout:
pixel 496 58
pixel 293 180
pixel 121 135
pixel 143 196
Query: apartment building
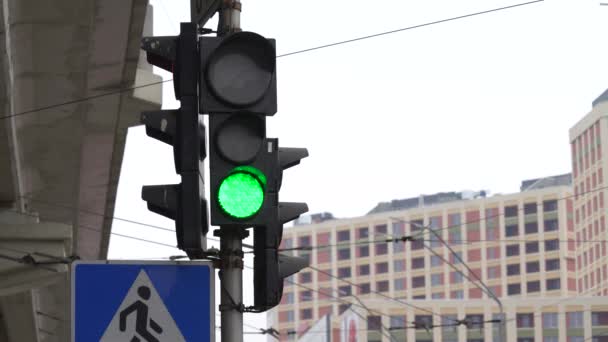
pixel 589 166
pixel 521 245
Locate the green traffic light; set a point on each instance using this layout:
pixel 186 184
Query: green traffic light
pixel 241 193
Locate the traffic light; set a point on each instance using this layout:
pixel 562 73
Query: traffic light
pixel 183 129
pixel 238 90
pixel 270 267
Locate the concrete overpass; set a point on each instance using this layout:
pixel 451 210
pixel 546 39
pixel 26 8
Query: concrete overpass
pixel 60 164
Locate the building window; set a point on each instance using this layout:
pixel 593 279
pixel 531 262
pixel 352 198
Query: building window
pixel 454 235
pixel 305 277
pixel 286 316
pixel 550 205
pixel 493 253
pixel 423 322
pixel 525 320
pixel 344 272
pixel 550 320
pixel 474 321
pixel 532 267
pixel 380 229
pixel 398 322
pixel 458 294
pixel 419 297
pixel 381 267
pixel 381 248
pixel 512 269
pixel 437 295
pixel 513 289
pixel 416 228
pixel 511 211
pixel 435 261
pixel 382 286
pixel 364 288
pixel 304 241
pixel 400 284
pixel 551 245
pixel 456 257
pixel 289 298
pixel 418 281
pixel 418 263
pixel 531 227
pixel 511 230
pixel 552 265
pixel 530 208
pixel 287 243
pixel 551 225
pixel 363 269
pixel 533 286
pixel 306 296
pixel 363 251
pixel 493 272
pixel 306 314
pixel 399 265
pixel 398 231
pixel 436 279
pixel 344 253
pixel 362 233
pixel 343 235
pixel 599 318
pixel 374 322
pixel 512 250
pixel 456 277
pixel 574 319
pixel 553 284
pixel 531 247
pixel 345 290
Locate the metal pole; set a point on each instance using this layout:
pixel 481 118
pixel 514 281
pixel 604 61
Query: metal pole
pixel 231 283
pixel 231 238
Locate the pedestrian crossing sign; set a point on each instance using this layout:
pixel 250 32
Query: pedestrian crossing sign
pixel 135 301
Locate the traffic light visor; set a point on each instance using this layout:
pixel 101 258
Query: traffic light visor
pixel 241 193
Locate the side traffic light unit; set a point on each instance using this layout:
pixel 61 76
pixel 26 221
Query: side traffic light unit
pixel 232 79
pixel 181 128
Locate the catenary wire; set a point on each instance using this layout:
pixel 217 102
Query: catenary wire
pixel 376 292
pixel 460 225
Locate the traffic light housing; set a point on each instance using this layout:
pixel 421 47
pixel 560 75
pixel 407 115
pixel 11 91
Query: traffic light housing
pixel 182 128
pixel 238 74
pixel 238 90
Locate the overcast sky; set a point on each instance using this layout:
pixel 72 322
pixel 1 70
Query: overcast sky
pixel 478 103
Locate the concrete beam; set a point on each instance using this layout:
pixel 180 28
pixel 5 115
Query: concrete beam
pixel 19 316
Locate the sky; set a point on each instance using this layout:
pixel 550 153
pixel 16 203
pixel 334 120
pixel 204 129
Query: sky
pixel 482 102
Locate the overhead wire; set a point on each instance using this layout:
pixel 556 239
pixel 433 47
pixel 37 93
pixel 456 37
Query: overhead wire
pixel 417 236
pixel 376 292
pixel 278 56
pixel 407 28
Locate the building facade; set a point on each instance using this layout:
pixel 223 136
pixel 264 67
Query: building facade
pixel 589 166
pixel 520 245
pixel 542 251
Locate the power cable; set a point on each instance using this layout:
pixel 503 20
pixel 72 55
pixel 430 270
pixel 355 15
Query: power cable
pixel 82 99
pixel 407 28
pixel 378 293
pixel 417 237
pixel 278 56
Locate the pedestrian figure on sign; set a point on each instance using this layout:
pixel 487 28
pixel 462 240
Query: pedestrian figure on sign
pixel 141 318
